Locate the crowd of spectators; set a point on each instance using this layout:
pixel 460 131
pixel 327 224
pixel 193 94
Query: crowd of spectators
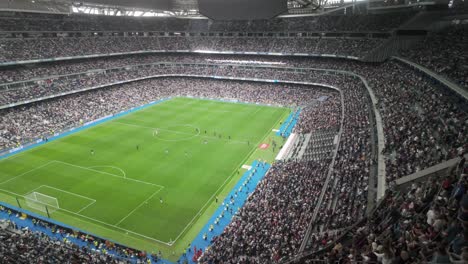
pixel 435 110
pixel 425 222
pixel 444 52
pixel 32 238
pixel 52 46
pixel 320 115
pixel 25 22
pixel 268 230
pixel 423 123
pixel 17 49
pixel 345 199
pixel 23 73
pixel 43 70
pixel 53 86
pixel 23 246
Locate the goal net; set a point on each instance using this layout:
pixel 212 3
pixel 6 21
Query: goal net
pixel 40 201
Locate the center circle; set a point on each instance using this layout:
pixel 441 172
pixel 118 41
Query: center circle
pixel 176 132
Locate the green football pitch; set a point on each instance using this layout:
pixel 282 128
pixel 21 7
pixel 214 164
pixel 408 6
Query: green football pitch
pixel 147 179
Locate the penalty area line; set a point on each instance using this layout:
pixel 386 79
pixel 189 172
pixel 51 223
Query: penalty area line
pixel 90 220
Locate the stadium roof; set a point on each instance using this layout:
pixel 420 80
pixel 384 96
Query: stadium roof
pixel 187 4
pixel 174 8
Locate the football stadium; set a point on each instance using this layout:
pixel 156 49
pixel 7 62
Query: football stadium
pixel 246 131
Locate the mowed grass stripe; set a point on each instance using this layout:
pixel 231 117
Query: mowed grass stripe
pixel 190 170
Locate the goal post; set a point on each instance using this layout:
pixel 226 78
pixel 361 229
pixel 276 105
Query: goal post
pixel 40 201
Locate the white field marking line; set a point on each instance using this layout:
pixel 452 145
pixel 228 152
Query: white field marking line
pixel 106 173
pixel 140 205
pixel 98 221
pixel 78 195
pixel 229 178
pixel 60 190
pixel 82 209
pixel 182 133
pixel 275 130
pixel 24 173
pixel 113 167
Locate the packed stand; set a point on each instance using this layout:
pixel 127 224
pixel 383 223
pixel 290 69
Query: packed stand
pixel 17 21
pixel 323 114
pixel 23 239
pixel 269 230
pixel 424 124
pixel 54 86
pixel 69 84
pixel 27 72
pixel 43 48
pixel 409 124
pixel 345 200
pixel 23 246
pixel 425 222
pixel 50 45
pixel 319 123
pixel 444 52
